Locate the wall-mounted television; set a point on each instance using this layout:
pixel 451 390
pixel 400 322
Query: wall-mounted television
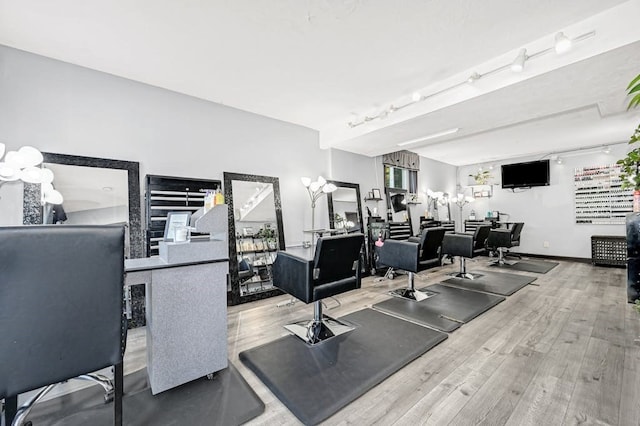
pixel 524 175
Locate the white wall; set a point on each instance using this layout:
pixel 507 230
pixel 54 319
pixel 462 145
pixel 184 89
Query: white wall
pixel 548 212
pixel 369 173
pixel 63 108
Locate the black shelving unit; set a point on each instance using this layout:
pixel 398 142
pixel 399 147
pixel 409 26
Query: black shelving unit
pixel 260 255
pixel 164 194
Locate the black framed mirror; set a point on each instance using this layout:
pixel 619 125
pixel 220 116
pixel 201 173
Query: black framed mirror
pixel 95 191
pixel 256 233
pixel 345 213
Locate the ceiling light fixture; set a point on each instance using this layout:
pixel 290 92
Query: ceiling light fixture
pixel 559 160
pixel 432 136
pixel 473 77
pixel 517 65
pixel 562 43
pixel 606 150
pixel 518 62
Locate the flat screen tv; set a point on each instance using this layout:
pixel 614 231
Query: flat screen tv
pixel 524 175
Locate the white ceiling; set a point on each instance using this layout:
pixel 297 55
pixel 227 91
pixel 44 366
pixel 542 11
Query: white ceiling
pixel 322 63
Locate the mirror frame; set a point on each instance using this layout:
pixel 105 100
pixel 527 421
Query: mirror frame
pixel 32 206
pixel 234 297
pixel 365 266
pixel 330 202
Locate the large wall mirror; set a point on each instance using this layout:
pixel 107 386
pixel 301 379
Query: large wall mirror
pixel 345 212
pixel 255 235
pixel 96 191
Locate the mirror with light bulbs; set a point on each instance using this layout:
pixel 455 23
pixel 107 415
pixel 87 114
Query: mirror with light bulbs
pixel 94 191
pixel 256 234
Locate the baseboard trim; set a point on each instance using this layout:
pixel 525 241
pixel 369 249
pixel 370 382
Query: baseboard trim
pixel 567 258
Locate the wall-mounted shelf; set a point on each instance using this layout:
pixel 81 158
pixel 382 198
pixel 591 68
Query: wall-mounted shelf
pixel 373 199
pixel 481 191
pixel 599 197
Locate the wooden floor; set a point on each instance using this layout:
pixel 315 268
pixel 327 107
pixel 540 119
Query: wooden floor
pixel 562 351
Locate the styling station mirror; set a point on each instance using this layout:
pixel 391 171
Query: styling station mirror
pixel 96 191
pixel 345 212
pixel 255 235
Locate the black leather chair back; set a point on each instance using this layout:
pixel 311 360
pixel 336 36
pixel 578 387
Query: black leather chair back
pixel 499 238
pixel 61 303
pixel 515 231
pixel 336 257
pixel 480 236
pixel 430 243
pixel 458 245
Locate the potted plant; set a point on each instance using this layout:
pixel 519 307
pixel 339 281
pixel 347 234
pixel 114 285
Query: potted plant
pixel 482 177
pixel 630 165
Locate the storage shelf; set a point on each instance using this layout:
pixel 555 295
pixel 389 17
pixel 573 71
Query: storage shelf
pixel 599 197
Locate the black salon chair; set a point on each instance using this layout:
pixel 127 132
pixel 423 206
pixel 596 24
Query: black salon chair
pixel 403 255
pixel 480 236
pixel 430 241
pixel 333 268
pixel 245 271
pixel 61 306
pixel 499 240
pixel 466 246
pixel 516 230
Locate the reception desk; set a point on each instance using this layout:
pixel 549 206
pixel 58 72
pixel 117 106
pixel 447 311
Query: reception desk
pixel 186 306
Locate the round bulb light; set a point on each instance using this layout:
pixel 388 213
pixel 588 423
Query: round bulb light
pixel 31 156
pixel 15 159
pixel 53 197
pixel 47 176
pixel 329 188
pixel 31 174
pixel 7 170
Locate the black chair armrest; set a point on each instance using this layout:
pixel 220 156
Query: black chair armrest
pixel 458 245
pixel 400 255
pixel 293 275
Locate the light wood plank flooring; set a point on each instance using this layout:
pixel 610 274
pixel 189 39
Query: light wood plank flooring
pixel 562 351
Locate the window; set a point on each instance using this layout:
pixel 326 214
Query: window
pixel 400 178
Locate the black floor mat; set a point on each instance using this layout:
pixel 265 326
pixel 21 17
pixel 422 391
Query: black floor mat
pixel 225 400
pixel 538 266
pixel 501 283
pixel 445 311
pixel 315 382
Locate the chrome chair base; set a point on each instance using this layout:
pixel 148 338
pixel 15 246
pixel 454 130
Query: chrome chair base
pixel 501 258
pixel 313 332
pixel 24 410
pixel 412 294
pixel 465 275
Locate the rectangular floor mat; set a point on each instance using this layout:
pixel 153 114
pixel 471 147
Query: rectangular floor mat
pixel 530 265
pixel 315 382
pixel 445 311
pixel 501 283
pixel 227 399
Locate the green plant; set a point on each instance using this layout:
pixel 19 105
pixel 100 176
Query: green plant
pixel 482 177
pixel 630 173
pixel 637 306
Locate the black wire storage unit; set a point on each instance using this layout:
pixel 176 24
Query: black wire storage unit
pixel 609 250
